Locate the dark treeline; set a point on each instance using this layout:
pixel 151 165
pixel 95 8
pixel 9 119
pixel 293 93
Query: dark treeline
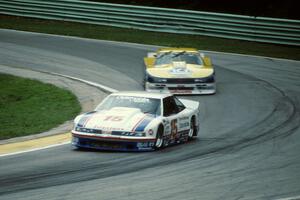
pixel 263 8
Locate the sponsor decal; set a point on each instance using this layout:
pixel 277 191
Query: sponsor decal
pixel 184 118
pixel 184 125
pixel 145 145
pixel 107 132
pixel 179 71
pixel 182 136
pixel 181 91
pixel 105 128
pixel 134 99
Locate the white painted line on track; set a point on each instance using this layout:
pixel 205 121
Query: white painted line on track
pixel 36 149
pixel 103 87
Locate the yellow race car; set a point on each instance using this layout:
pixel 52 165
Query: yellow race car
pixel 179 71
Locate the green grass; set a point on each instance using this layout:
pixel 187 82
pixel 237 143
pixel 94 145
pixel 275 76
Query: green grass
pixel 147 37
pixel 29 106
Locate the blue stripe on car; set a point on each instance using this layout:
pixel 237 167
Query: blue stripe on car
pixel 143 124
pixel 84 118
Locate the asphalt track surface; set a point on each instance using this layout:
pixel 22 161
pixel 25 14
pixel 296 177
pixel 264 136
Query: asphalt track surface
pixel 248 147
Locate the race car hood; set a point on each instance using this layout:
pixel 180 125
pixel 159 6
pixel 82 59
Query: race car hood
pixel 116 119
pixel 183 71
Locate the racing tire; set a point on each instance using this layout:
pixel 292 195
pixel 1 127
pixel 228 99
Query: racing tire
pixel 193 129
pixel 159 142
pixel 76 148
pixel 144 83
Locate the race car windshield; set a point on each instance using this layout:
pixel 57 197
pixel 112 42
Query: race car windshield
pixel 188 58
pixel 146 105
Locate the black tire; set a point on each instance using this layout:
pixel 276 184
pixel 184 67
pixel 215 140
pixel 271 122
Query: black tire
pixel 194 129
pixel 76 148
pixel 159 142
pixel 144 83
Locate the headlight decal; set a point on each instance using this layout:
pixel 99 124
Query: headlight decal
pixel 124 133
pixel 87 130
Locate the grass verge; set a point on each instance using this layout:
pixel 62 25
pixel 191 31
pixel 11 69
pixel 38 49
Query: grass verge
pixel 29 106
pixel 147 37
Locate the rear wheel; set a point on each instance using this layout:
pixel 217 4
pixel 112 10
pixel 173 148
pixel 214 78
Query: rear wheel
pixel 193 129
pixel 159 143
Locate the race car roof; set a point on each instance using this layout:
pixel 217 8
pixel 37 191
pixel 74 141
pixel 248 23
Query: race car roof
pixel 154 95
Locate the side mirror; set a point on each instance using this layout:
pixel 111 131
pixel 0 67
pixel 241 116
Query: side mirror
pixel 207 61
pixel 149 62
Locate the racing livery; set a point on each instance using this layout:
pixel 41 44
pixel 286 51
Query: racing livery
pixel 179 71
pixel 137 121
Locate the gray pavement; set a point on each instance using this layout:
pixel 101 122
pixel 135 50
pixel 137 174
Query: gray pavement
pixel 248 147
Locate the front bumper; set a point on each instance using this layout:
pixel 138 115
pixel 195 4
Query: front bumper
pixel 112 143
pixel 198 88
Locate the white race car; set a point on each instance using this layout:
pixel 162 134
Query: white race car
pixel 137 121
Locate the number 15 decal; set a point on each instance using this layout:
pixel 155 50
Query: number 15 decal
pixel 113 118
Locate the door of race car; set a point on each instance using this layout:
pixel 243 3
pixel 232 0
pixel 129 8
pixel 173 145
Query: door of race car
pixel 175 121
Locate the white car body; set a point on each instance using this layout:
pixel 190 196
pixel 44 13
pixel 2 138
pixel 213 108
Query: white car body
pixel 131 127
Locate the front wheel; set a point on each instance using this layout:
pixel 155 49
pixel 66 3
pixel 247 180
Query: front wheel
pixel 159 143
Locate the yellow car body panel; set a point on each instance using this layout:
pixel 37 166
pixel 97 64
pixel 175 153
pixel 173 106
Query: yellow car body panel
pixel 164 72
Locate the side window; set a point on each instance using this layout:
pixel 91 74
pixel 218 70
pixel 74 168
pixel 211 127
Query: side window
pixel 170 106
pixel 179 104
